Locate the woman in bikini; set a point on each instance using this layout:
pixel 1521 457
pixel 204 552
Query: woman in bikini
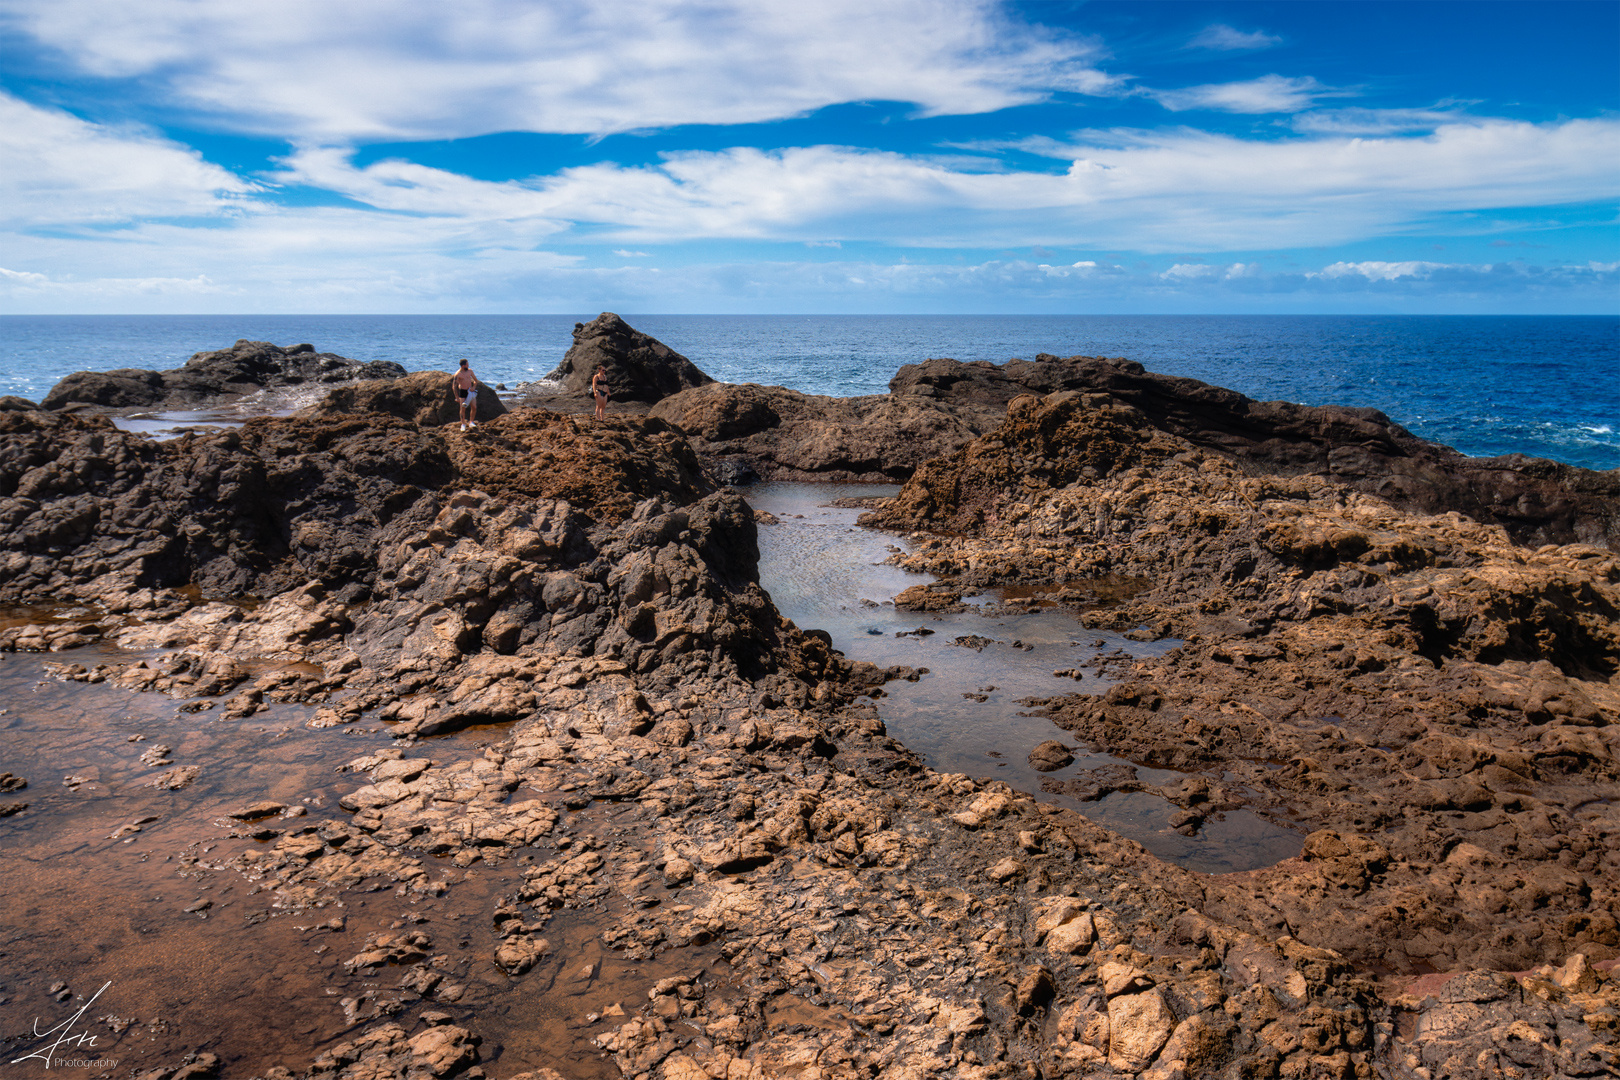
pixel 599 388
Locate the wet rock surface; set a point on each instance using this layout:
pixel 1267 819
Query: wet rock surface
pixel 212 377
pixel 697 781
pixel 1434 700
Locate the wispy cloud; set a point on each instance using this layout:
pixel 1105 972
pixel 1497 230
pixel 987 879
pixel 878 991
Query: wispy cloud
pixel 623 254
pixel 325 72
pixel 1360 121
pixel 510 281
pixel 1177 190
pixel 1222 38
pixel 58 169
pixel 1267 94
pixel 1393 271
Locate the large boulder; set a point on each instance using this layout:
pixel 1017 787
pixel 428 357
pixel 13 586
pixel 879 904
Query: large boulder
pixel 1536 501
pixel 749 431
pixel 213 377
pixel 639 367
pixel 422 396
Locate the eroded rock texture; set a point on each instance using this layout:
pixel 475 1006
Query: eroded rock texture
pixel 423 397
pixel 640 368
pixel 1433 701
pixel 1437 702
pixel 208 377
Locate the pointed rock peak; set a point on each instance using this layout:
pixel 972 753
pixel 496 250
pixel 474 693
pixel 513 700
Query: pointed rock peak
pixel 639 366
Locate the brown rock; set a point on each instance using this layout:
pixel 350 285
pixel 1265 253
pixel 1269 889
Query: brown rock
pixel 1050 756
pixel 422 397
pixel 639 367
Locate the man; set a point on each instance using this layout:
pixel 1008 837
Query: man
pixel 465 384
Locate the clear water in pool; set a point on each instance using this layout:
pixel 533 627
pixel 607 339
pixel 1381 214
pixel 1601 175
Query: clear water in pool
pixel 826 572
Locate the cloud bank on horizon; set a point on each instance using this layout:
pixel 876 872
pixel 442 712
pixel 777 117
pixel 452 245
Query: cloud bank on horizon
pixel 850 155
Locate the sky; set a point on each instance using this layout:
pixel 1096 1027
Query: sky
pixel 838 156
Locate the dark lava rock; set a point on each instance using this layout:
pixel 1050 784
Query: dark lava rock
pixel 639 367
pixel 12 403
pixel 424 397
pixel 782 434
pixel 208 377
pixel 1051 756
pixel 1094 784
pixel 1536 501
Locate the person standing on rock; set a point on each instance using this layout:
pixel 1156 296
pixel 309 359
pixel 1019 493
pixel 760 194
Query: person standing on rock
pixel 600 390
pixel 465 385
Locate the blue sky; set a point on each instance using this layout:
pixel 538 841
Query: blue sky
pixel 307 156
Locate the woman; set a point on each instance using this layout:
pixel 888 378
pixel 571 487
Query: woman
pixel 599 388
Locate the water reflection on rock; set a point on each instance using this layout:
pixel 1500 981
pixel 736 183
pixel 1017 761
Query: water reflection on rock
pixel 985 655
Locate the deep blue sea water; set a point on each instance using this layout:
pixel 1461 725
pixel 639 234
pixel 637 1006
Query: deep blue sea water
pixel 1548 386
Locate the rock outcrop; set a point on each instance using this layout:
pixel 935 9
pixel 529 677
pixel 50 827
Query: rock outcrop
pixel 747 431
pixel 640 368
pixel 1435 701
pixel 713 785
pixel 422 397
pixel 1537 501
pixel 213 377
pixel 935 408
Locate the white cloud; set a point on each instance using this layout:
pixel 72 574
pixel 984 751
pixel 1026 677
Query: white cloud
pixel 1267 94
pixel 527 282
pixel 100 214
pixel 623 254
pixel 59 169
pixel 1390 271
pixel 823 243
pixel 1222 38
pixel 333 72
pixel 1174 191
pixel 1358 121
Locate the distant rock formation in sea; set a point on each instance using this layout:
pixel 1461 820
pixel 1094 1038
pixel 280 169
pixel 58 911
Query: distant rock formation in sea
pixel 213 377
pixel 639 367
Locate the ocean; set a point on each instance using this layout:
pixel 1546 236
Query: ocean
pixel 1546 386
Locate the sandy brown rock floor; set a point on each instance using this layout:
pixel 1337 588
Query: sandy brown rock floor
pixel 614 766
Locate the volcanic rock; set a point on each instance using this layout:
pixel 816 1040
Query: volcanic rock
pixel 1433 702
pixel 1050 756
pixel 1536 501
pixel 211 377
pixel 775 433
pixel 639 367
pixel 423 397
pixel 1436 701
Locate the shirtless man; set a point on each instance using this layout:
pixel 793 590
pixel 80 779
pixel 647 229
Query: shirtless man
pixel 465 384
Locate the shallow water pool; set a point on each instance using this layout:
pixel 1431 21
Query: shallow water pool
pixel 825 572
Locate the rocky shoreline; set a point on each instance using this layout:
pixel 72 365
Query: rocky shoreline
pixel 1408 652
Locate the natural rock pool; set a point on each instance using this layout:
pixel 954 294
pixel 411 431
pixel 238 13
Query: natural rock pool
pixel 964 716
pixel 113 878
pixel 122 877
